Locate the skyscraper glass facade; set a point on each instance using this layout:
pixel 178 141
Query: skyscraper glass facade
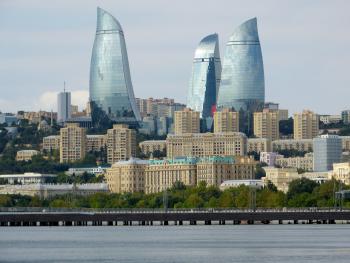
pixel 111 91
pixel 242 84
pixel 205 78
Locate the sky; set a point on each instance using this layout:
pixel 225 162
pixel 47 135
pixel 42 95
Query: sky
pixel 305 46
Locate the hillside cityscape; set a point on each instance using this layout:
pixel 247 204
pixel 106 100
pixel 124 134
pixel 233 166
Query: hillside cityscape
pixel 228 146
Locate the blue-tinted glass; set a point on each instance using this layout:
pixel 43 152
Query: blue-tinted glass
pixel 242 79
pixel 205 79
pixel 110 82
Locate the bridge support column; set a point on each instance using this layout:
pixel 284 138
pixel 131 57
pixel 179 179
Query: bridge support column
pixel 207 222
pixel 236 222
pixel 180 223
pixel 166 223
pixel 296 222
pixel 280 222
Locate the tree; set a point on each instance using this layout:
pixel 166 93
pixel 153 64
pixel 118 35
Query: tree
pixel 302 185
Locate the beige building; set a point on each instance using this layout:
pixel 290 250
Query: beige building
pixel 280 177
pixel 148 147
pixel 258 145
pixel 266 124
pixel 72 143
pixel 305 163
pixel 26 155
pixel 306 125
pixel 51 143
pixel 186 121
pixel 345 142
pixel 127 176
pixel 341 172
pixel 154 176
pixel 283 114
pixel 304 145
pixel 162 174
pixel 121 143
pixel 206 144
pixel 226 121
pixel 94 143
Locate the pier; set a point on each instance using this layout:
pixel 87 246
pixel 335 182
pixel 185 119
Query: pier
pixel 121 217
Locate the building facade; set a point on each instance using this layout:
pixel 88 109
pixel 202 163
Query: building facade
pixel 226 121
pixel 51 142
pixel 155 176
pixel 64 109
pixel 266 124
pixel 327 150
pixel 111 91
pixel 242 86
pixel 280 177
pixel 205 78
pixel 148 147
pixel 303 145
pixel 121 143
pixel 305 162
pixel 96 142
pixel 306 125
pixel 26 155
pixel 72 143
pixel 187 121
pixel 258 145
pixel 207 144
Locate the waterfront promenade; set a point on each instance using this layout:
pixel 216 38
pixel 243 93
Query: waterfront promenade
pixel 98 217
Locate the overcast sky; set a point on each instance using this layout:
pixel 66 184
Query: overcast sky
pixel 305 45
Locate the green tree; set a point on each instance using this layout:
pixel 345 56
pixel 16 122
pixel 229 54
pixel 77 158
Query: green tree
pixel 302 185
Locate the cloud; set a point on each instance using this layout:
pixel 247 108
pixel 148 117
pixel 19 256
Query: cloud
pixel 48 100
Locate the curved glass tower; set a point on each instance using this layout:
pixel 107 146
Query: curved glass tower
pixel 242 86
pixel 111 92
pixel 205 79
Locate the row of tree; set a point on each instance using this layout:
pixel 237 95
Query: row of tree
pixel 302 193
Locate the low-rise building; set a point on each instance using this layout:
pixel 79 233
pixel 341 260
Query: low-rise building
pixel 99 170
pixel 258 145
pixel 280 177
pixel 51 190
pixel 269 158
pixel 148 147
pixel 26 178
pixel 206 144
pixel 26 155
pixel 236 183
pixel 304 145
pixel 306 162
pixel 341 172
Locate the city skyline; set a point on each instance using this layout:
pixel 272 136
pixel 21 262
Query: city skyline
pixel 292 67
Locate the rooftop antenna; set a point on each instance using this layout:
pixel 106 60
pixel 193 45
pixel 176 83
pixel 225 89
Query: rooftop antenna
pixel 64 86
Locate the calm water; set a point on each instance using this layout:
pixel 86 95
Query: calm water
pixel 204 244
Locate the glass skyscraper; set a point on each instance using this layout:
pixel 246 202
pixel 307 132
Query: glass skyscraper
pixel 205 78
pixel 111 92
pixel 242 86
pixel 327 150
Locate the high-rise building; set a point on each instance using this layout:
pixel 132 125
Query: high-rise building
pixel 205 78
pixel 121 143
pixel 226 121
pixel 72 143
pixel 306 125
pixel 327 150
pixel 266 124
pixel 242 79
pixel 345 115
pixel 111 91
pixel 187 121
pixel 64 109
